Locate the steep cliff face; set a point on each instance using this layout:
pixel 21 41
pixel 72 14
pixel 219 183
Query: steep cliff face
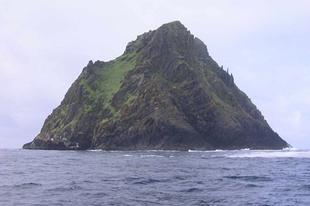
pixel 164 92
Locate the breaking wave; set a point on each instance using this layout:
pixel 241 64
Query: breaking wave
pixel 292 153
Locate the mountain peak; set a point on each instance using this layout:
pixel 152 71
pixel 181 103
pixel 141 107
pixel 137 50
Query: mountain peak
pixel 170 38
pixel 164 92
pixel 174 25
pixel 164 36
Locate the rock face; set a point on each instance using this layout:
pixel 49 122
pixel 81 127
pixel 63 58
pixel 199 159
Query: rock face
pixel 164 92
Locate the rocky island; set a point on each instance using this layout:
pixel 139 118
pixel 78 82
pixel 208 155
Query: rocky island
pixel 164 93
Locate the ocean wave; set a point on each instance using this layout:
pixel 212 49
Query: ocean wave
pixel 290 148
pixel 151 155
pixel 95 150
pixel 192 189
pixel 206 178
pixel 216 150
pixel 272 154
pixel 27 185
pixel 249 178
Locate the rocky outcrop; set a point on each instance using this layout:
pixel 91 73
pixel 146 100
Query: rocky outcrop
pixel 164 92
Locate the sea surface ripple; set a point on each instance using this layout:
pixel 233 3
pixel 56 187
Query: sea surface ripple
pixel 244 177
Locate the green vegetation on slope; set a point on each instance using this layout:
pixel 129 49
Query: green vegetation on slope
pixel 107 82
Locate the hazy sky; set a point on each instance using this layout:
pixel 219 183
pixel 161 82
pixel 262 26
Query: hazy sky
pixel 44 46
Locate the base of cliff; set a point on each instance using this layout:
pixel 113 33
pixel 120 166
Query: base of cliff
pixel 41 144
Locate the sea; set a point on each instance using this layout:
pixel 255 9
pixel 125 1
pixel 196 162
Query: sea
pixel 239 177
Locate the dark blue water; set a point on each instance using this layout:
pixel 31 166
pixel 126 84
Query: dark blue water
pixel 154 178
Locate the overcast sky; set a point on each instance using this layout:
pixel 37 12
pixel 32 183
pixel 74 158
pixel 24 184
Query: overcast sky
pixel 44 46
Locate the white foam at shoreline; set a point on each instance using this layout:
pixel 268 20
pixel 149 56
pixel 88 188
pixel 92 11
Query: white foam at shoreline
pixel 272 154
